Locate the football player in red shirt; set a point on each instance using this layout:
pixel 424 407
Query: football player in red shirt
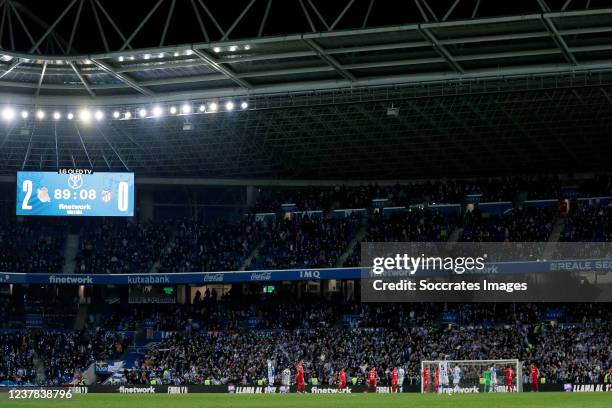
pixel 426 379
pixel 509 378
pixel 341 380
pixel 535 376
pixel 394 380
pixel 372 379
pixel 437 380
pixel 299 378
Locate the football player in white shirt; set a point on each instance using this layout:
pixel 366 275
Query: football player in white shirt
pixel 286 379
pixel 456 378
pixel 401 373
pixel 444 371
pixel 493 378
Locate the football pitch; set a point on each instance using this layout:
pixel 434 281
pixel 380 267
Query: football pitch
pixel 523 400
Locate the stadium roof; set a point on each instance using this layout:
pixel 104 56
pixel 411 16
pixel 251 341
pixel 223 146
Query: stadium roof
pixel 474 88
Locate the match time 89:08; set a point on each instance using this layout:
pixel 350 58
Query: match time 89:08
pixel 40 394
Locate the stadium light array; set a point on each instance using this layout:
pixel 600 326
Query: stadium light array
pixel 8 113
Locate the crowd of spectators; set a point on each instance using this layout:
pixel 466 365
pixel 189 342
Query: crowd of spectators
pixel 32 246
pixel 520 224
pixel 418 192
pixel 570 352
pixel 217 246
pixel 120 246
pixel 588 224
pixel 305 241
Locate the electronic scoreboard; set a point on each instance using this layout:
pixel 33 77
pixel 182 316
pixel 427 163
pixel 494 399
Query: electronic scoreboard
pixel 75 193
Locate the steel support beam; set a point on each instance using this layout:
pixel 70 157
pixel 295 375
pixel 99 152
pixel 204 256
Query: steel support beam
pixel 124 78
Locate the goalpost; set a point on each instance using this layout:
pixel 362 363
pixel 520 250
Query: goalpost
pixel 471 376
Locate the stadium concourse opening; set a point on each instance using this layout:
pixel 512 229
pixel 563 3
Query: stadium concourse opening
pixel 356 197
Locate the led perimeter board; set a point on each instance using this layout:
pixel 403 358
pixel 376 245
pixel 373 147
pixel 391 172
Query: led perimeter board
pixel 75 194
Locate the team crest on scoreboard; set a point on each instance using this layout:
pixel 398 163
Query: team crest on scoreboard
pixel 106 196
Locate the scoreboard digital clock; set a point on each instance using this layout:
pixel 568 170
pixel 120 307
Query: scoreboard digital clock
pixel 75 194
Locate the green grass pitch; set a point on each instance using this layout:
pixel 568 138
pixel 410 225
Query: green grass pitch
pixel 523 400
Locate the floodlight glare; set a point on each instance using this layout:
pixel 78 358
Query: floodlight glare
pixel 186 108
pixel 70 116
pixel 57 115
pixel 229 105
pixel 202 108
pixel 85 115
pixel 40 114
pixel 213 107
pixel 24 114
pixel 244 105
pixel 127 115
pixel 142 112
pixel 157 111
pixel 8 113
pixel 116 114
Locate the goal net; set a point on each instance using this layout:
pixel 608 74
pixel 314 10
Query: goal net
pixel 471 376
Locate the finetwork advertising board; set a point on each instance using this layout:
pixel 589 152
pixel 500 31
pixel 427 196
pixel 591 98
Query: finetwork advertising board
pixel 75 194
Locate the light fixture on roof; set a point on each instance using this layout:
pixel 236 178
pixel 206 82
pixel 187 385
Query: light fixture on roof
pixel 57 115
pixel 173 110
pixel 188 52
pixel 40 114
pixel 217 49
pixel 157 111
pixel 85 115
pixel 120 59
pixel 99 115
pixel 8 113
pixel 70 115
pixel 233 48
pixel 116 114
pixel 229 105
pixel 244 105
pixel 202 108
pixel 160 55
pixel 176 54
pixel 142 112
pixel 127 115
pixel 247 47
pixel 24 114
pixel 212 107
pixel 147 56
pixel 186 109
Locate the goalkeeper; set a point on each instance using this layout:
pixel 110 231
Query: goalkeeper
pixel 487 380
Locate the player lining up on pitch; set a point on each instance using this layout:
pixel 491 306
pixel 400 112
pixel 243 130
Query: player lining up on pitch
pixel 510 375
pixel 299 378
pixel 535 377
pixel 372 379
pixel 341 380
